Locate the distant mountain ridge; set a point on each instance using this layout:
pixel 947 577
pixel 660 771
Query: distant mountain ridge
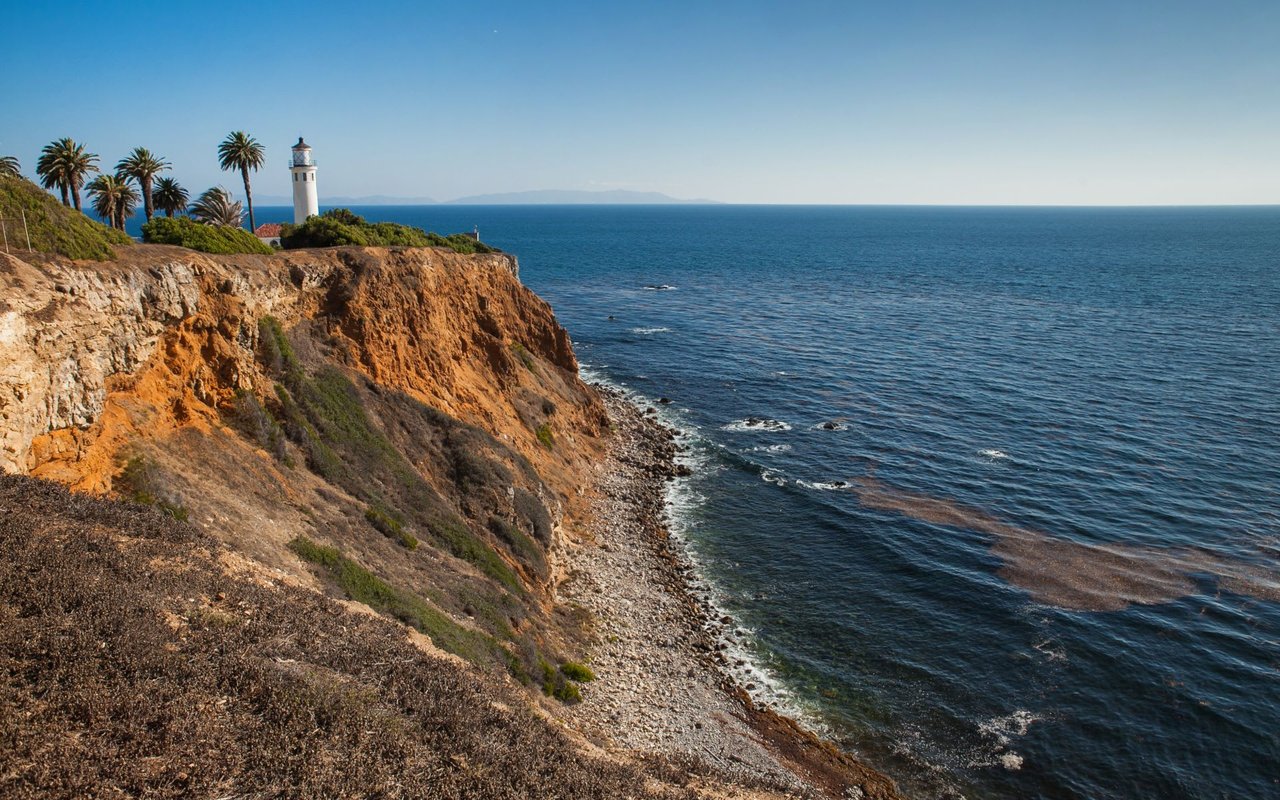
pixel 530 198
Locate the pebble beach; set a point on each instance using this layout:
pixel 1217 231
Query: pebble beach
pixel 661 685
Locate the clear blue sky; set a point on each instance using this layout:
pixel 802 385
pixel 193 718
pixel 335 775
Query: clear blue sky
pixel 783 102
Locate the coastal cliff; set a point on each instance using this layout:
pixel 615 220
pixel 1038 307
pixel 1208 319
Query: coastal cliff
pixel 402 431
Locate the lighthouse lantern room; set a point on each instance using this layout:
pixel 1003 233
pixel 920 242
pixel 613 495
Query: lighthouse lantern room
pixel 306 202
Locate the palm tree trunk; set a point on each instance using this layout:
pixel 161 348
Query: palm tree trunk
pixel 248 195
pixel 168 212
pixel 146 198
pixel 75 195
pixel 66 196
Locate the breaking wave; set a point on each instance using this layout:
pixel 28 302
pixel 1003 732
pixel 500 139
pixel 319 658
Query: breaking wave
pixel 757 424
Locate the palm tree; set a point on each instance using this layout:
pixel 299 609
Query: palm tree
pixel 65 164
pixel 215 207
pixel 168 196
pixel 241 151
pixel 143 167
pixel 114 198
pixel 9 167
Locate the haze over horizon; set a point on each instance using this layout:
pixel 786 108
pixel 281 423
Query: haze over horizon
pixel 814 102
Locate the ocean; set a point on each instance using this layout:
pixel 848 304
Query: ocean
pixel 992 494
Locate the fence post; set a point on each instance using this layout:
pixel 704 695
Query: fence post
pixel 6 236
pixel 25 230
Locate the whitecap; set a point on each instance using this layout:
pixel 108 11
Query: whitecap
pixel 660 287
pixel 757 424
pixel 769 448
pixel 1011 761
pixel 650 331
pixel 1003 729
pixel 825 486
pixel 1050 650
pixel 774 478
pixel 994 455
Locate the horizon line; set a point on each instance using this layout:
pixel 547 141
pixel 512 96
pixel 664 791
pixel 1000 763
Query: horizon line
pixel 719 203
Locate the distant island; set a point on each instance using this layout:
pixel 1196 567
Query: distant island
pixel 531 198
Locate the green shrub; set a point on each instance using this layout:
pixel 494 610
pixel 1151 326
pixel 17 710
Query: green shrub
pixel 340 226
pixel 53 227
pixel 388 523
pixel 577 672
pixel 545 436
pixel 520 544
pixel 186 232
pixel 455 538
pixel 139 483
pixel 472 472
pixel 323 414
pixel 525 356
pixel 256 423
pixel 554 684
pixel 534 513
pixel 315 553
pixel 363 586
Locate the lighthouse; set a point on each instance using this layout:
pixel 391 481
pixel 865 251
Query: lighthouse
pixel 305 201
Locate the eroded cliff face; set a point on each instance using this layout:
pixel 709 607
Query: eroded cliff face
pixel 178 331
pixel 416 411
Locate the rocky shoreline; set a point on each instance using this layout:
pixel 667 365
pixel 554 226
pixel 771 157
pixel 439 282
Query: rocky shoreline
pixel 662 687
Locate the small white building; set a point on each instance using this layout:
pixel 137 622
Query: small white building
pixel 306 202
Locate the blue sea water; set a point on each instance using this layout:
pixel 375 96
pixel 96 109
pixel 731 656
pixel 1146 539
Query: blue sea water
pixel 1034 551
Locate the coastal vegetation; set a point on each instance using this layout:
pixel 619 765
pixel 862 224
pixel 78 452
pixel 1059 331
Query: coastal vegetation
pixel 390 524
pixel 341 226
pixel 53 228
pixel 66 166
pixel 186 232
pixel 363 586
pixel 114 199
pixel 215 206
pixel 143 167
pixel 169 197
pixel 138 665
pixel 330 421
pixel 137 481
pixel 322 413
pixel 521 352
pixel 253 420
pixel 240 151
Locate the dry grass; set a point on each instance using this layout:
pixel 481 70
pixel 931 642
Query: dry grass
pixel 132 666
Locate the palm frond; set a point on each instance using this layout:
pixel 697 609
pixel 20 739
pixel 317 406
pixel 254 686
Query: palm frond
pixel 241 151
pixel 114 198
pixel 141 164
pixel 215 207
pixel 169 196
pixel 65 165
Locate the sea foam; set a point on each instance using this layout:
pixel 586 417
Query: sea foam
pixel 755 424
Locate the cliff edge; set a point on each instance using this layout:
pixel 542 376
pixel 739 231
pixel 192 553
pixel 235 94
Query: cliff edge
pixel 333 434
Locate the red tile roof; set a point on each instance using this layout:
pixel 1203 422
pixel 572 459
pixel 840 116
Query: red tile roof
pixel 268 229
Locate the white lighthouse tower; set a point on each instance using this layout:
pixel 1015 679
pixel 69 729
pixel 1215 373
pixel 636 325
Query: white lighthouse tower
pixel 306 202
